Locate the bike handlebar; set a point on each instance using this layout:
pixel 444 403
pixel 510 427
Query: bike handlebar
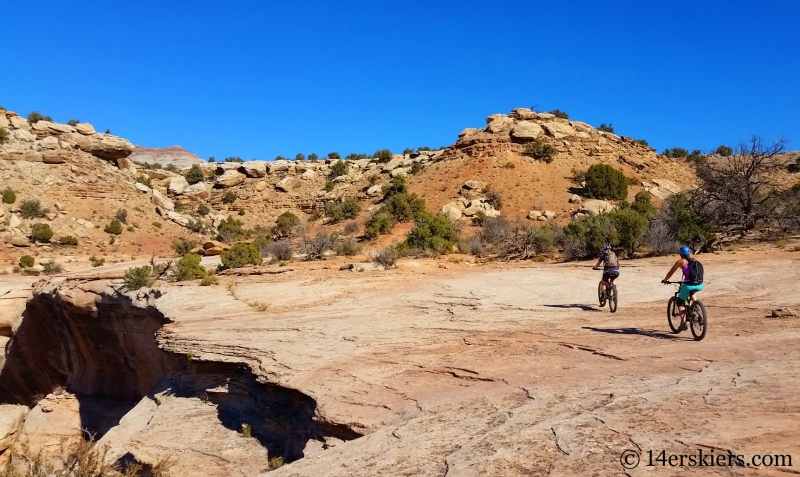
pixel 673 283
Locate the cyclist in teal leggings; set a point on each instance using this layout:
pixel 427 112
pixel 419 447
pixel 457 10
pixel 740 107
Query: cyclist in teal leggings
pixel 686 288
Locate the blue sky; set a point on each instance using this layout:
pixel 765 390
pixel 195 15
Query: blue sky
pixel 257 79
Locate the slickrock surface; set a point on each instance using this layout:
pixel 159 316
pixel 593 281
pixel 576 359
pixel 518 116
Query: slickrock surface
pixel 463 370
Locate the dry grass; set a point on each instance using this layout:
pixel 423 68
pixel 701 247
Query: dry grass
pixel 259 305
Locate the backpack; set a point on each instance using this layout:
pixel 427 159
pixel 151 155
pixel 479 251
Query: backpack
pixel 610 260
pixel 695 273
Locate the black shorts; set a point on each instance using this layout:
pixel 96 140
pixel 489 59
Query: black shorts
pixel 610 274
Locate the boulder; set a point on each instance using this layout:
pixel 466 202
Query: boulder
pixel 230 178
pixel 48 143
pixel 400 171
pixel 491 212
pixel 41 127
pixel 375 190
pixel 160 200
pixel 261 186
pixel 474 185
pixel 57 128
pixel 55 157
pixel 610 136
pixel 499 123
pixel 308 175
pixel 288 183
pixel 197 191
pixel 581 127
pixel 254 168
pixel 141 187
pixel 177 185
pixel 467 132
pixel 534 215
pixel 596 207
pixel 180 219
pixel 453 210
pixel 18 122
pixel 11 418
pixel 104 146
pixel 558 130
pixel 215 244
pixel 213 251
pixel 549 214
pixel 277 166
pixel 85 129
pixel 667 185
pixel 523 113
pixel 575 199
pixel 527 130
pixel 14 221
pixel 125 164
pixel 546 116
pixel 55 422
pixel 784 313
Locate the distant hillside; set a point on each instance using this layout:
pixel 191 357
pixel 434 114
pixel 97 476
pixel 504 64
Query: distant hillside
pixel 176 155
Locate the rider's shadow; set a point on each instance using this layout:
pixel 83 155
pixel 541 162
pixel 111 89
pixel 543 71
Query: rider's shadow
pixel 638 331
pixel 575 305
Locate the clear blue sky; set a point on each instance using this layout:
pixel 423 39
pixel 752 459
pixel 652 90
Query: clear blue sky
pixel 260 78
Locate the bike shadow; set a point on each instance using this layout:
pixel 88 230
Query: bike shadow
pixel 576 305
pixel 638 331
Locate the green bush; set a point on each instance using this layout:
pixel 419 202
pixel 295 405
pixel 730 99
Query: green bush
pixel 240 255
pixel 194 175
pixel 229 230
pixel 676 153
pixel 26 261
pixel 314 216
pixel 416 168
pixel 606 128
pixel 691 228
pixel 642 203
pixel 313 157
pixel 212 159
pixel 234 159
pixel 51 267
pixel 387 257
pixel 560 114
pixel 641 142
pixel 383 156
pixel 630 227
pixel 9 196
pixel 203 209
pixel 73 122
pixel 286 225
pixel 97 262
pixel 189 268
pixel 337 212
pixel 724 151
pixel 605 182
pixel 348 247
pixel 3 135
pixel 32 209
pixel 36 116
pixel 432 232
pixel 229 197
pixel 300 157
pixel 329 185
pixel 398 185
pixel 540 151
pixel 182 245
pixel 378 224
pixel 41 233
pixel 114 228
pixel 339 169
pixel 145 180
pixel 68 240
pixel 334 155
pixel 138 277
pixel 404 207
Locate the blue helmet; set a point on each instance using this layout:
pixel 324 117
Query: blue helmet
pixel 685 251
pixel 606 247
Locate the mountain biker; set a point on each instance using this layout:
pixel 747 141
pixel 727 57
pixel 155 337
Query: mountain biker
pixel 610 267
pixel 687 288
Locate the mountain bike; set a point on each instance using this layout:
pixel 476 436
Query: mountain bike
pixel 696 317
pixel 610 295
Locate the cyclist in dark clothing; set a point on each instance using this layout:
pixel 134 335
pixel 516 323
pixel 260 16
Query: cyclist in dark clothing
pixel 610 267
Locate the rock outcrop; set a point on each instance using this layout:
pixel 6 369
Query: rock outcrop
pixel 165 156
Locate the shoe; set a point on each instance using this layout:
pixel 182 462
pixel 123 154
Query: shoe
pixel 684 326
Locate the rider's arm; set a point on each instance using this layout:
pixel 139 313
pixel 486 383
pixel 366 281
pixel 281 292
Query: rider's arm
pixel 672 270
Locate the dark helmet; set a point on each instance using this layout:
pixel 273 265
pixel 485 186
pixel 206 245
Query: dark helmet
pixel 684 251
pixel 606 247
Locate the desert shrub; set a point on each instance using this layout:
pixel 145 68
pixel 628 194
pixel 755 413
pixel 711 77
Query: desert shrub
pixel 313 157
pixel 182 245
pixel 398 185
pixel 339 169
pixel 378 224
pixel 234 159
pixel 171 168
pixel 229 230
pixel 689 226
pixel 32 209
pixel 578 176
pixel 514 240
pixel 314 216
pixel 51 267
pixel 189 268
pixel 540 151
pixel 404 207
pixel 35 117
pixel 355 156
pixel 659 236
pixel 338 211
pixel 121 215
pixel 300 157
pixel 145 180
pixel 68 240
pixel 203 209
pixel 73 122
pixel 724 150
pixel 9 196
pixel 433 233
pixel 286 225
pixel 416 167
pixel 26 261
pixel 229 197
pixel 113 228
pixel 315 247
pixel 329 185
pixel 157 224
pixel 641 142
pixel 239 255
pixel 97 262
pixel 348 247
pixel 676 152
pixel 408 150
pixel 194 175
pixel 560 114
pixel 606 128
pixel 41 233
pixel 138 277
pixel 351 227
pixel 605 182
pixel 334 155
pixel 642 203
pixel 494 198
pixel 474 245
pixel 212 159
pixel 208 280
pixel 383 156
pixel 196 226
pixel 282 250
pixel 3 135
pixel 630 226
pixel 494 230
pixel 387 258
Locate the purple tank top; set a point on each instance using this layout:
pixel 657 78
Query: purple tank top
pixel 685 269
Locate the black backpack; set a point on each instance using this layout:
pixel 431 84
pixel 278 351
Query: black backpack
pixel 695 273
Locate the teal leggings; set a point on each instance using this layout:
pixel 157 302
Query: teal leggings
pixel 687 290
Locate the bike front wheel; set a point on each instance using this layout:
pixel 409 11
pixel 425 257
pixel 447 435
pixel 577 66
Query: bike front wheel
pixel 673 317
pixel 698 321
pixel 612 299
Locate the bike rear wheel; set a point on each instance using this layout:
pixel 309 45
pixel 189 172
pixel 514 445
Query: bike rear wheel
pixel 673 317
pixel 612 299
pixel 698 321
pixel 601 295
